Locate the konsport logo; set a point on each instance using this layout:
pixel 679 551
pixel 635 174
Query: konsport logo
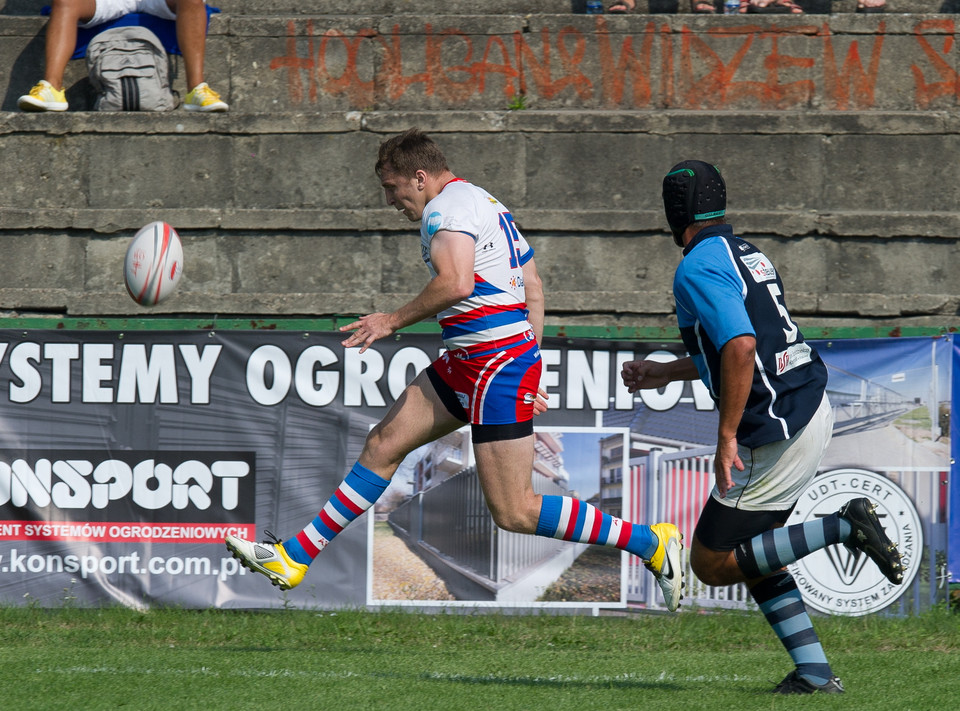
pixel 840 581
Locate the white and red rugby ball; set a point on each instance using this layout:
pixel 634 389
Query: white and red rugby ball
pixel 154 263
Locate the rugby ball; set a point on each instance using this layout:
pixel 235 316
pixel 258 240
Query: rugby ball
pixel 154 263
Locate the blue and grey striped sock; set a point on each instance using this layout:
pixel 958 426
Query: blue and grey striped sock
pixel 778 547
pixel 780 602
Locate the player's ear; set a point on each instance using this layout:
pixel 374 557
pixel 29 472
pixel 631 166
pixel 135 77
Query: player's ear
pixel 421 179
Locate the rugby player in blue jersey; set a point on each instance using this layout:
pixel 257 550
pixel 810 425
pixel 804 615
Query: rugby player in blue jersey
pixel 774 426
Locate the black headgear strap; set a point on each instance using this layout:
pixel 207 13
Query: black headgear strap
pixel 692 191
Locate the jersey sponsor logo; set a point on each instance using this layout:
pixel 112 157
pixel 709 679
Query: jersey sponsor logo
pixel 841 581
pixel 464 401
pixel 761 268
pixel 433 223
pixel 796 355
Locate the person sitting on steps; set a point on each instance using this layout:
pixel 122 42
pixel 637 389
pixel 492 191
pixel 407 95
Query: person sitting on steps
pixel 66 15
pixel 708 7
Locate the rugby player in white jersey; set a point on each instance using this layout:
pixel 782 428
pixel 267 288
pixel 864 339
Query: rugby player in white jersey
pixel 485 291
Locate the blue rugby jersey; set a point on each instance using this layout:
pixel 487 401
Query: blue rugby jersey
pixel 724 288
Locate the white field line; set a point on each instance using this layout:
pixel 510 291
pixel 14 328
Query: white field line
pixel 432 676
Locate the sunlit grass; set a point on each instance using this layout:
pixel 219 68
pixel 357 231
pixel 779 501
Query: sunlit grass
pixel 182 659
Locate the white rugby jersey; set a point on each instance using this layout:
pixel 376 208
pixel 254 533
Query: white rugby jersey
pixel 497 307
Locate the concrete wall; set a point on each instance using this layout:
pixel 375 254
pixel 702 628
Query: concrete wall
pixel 837 135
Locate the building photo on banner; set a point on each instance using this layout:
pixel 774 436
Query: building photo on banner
pixel 126 457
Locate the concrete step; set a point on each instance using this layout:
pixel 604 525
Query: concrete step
pixel 381 8
pixel 283 215
pixel 549 62
pixel 579 171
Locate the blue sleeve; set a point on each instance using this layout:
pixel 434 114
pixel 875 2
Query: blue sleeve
pixel 710 290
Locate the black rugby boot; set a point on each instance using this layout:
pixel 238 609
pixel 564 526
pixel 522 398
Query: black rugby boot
pixel 796 684
pixel 868 536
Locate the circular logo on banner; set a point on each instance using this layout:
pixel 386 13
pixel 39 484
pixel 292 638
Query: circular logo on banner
pixel 840 581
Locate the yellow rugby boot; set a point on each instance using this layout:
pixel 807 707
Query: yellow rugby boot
pixel 267 558
pixel 665 563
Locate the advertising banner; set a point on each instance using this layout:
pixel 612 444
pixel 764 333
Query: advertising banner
pixel 125 457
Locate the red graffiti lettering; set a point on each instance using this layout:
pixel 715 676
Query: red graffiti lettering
pixel 453 83
pixel 349 82
pixel 926 93
pixel 393 78
pixel 293 63
pixel 717 88
pixel 487 67
pixel 850 86
pixel 710 89
pixel 740 66
pixel 614 74
pixel 547 87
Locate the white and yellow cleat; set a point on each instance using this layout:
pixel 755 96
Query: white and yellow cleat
pixel 43 97
pixel 267 558
pixel 665 563
pixel 203 98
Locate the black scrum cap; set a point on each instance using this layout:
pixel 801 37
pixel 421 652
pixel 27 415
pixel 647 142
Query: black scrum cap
pixel 692 191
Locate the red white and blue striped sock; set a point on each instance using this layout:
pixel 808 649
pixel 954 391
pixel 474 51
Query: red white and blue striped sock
pixel 570 519
pixel 356 493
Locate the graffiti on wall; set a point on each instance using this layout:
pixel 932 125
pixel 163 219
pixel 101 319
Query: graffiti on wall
pixel 744 66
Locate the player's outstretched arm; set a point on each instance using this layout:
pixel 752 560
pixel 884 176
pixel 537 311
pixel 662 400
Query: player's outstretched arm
pixel 647 374
pixel 452 255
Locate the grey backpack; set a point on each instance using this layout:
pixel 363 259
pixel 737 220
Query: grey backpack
pixel 130 71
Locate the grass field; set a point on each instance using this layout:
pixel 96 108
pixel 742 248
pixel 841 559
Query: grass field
pixel 118 658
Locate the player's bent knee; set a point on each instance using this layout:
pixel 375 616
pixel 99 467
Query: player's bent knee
pixel 713 567
pixel 716 571
pixel 513 521
pixel 707 576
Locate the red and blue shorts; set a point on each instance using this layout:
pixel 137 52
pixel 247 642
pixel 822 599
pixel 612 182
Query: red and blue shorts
pixel 492 385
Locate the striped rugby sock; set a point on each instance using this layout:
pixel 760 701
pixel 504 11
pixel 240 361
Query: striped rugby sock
pixel 781 603
pixel 356 493
pixel 570 519
pixel 778 547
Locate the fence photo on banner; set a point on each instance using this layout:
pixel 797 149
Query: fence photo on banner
pixel 434 539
